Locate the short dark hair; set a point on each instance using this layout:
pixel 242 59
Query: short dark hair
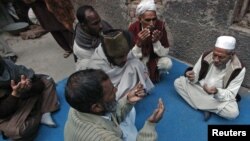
pixel 84 88
pixel 80 14
pixel 1 65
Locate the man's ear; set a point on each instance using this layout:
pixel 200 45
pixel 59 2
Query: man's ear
pixel 97 108
pixel 232 53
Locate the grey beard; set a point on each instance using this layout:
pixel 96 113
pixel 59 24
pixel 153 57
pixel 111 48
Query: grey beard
pixel 110 106
pixel 221 67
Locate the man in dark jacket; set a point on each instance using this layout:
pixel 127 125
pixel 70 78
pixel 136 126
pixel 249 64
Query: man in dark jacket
pixel 26 100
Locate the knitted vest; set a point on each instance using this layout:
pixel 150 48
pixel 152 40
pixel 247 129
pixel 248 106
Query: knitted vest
pixel 234 69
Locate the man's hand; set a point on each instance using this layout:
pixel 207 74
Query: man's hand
pixel 156 35
pixel 136 94
pixel 158 113
pixel 210 90
pixel 142 36
pixel 190 75
pixel 22 86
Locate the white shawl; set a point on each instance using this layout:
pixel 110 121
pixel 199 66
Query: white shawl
pixel 124 78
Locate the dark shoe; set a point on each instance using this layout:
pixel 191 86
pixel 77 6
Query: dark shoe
pixel 207 115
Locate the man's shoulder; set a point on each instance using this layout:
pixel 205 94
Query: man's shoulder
pixel 134 24
pixel 237 62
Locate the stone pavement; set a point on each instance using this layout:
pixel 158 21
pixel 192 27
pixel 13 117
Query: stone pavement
pixel 43 54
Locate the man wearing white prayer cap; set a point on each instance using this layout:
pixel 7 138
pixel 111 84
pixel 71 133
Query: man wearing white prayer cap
pixel 150 40
pixel 213 83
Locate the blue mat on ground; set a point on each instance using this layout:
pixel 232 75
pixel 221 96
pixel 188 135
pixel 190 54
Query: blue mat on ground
pixel 180 121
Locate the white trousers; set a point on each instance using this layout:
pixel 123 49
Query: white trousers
pixel 128 126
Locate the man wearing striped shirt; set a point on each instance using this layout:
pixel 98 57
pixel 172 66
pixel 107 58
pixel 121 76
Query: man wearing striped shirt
pixel 95 114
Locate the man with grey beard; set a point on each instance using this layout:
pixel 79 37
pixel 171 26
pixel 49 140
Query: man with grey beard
pixel 213 83
pixel 95 114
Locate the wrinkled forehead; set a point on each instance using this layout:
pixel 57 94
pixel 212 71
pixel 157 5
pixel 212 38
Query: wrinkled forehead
pixel 149 13
pixel 220 51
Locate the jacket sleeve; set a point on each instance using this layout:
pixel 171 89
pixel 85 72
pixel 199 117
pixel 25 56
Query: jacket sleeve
pixel 160 50
pixel 8 106
pixel 123 109
pixel 37 87
pixel 231 91
pixel 137 51
pixel 147 133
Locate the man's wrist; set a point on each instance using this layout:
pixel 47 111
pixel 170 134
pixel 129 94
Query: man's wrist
pixel 128 100
pixel 15 94
pixel 138 43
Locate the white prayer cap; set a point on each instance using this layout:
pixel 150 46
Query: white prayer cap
pixel 145 5
pixel 226 42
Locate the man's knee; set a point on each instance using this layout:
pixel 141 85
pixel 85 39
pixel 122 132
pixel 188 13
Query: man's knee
pixel 230 114
pixel 177 83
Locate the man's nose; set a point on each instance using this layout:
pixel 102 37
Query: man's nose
pixel 151 23
pixel 216 59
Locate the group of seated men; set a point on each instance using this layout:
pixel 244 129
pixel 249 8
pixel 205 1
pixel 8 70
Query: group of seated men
pixel 115 69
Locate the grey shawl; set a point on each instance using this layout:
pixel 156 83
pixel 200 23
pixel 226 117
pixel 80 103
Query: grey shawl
pixel 85 40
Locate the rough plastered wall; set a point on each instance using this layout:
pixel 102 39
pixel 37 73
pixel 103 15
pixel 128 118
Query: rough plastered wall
pixel 193 25
pixel 113 11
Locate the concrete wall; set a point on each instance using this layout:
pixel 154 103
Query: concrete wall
pixel 193 25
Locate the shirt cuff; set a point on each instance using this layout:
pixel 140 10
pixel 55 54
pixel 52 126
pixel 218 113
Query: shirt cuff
pixel 159 49
pixel 137 51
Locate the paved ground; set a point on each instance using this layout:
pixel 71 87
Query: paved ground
pixel 45 56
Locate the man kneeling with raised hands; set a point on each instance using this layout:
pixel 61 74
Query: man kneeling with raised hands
pixel 95 114
pixel 26 100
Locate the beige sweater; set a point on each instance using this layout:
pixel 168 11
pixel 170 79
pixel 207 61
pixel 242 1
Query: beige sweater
pixel 89 127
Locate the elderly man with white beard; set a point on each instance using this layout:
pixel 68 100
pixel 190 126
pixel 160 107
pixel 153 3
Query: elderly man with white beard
pixel 150 40
pixel 213 83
